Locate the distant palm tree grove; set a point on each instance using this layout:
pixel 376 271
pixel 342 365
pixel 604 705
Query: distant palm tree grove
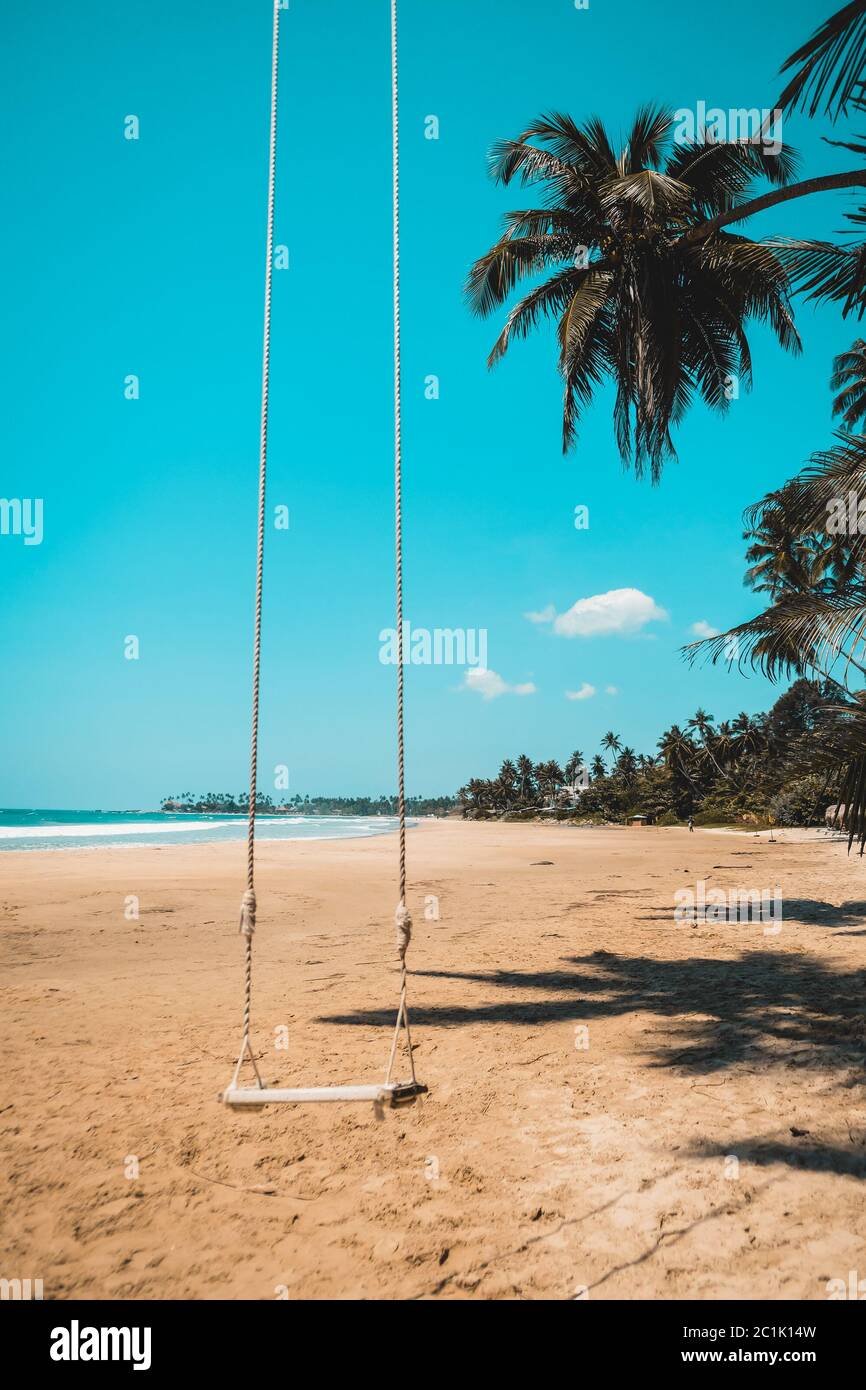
pixel 755 769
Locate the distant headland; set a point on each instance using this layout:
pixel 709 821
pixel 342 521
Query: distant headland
pixel 229 804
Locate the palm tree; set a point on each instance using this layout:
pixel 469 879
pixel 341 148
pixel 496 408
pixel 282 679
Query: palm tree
pixel 626 766
pixel 597 768
pixel 507 781
pixel 779 562
pixel 630 223
pixel 749 737
pixel 470 795
pixel 849 380
pixel 725 744
pixel 818 623
pixel 574 767
pixel 611 742
pixel 678 753
pixel 646 286
pixel 702 724
pixel 818 613
pixel 549 777
pixel 525 771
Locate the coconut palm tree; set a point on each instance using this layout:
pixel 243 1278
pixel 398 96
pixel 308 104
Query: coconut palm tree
pixel 725 744
pixel 506 782
pixel 678 753
pixel 636 244
pixel 525 772
pixel 749 736
pixel 611 742
pixel 549 777
pixel 779 562
pixel 574 767
pixel 597 768
pixel 626 766
pixel 702 724
pixel 817 625
pixel 818 614
pixel 646 286
pixel 630 222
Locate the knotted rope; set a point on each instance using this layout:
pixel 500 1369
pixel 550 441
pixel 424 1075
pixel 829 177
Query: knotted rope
pixel 403 925
pixel 248 902
pixel 247 924
pixel 402 919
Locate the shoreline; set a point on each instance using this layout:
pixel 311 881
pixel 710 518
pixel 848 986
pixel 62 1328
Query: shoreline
pixel 788 835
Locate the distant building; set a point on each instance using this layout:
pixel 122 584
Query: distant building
pixel 638 821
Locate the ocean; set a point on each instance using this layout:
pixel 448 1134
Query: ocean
pixel 92 829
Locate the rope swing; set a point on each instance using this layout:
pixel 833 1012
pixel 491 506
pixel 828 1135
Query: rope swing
pixel 391 1091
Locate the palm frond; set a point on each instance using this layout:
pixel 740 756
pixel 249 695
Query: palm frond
pixel 830 64
pixel 848 381
pixel 646 139
pixel 802 631
pixel 721 172
pixel 842 753
pixel 650 190
pixel 826 272
pixel 551 298
pixel 495 274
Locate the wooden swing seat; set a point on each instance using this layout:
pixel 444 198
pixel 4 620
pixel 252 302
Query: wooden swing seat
pixel 386 1093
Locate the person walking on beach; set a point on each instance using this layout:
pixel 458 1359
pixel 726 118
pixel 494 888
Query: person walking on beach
pixel 691 823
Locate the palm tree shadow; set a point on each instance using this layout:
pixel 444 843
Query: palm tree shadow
pixel 765 1151
pixel 805 911
pixel 766 1007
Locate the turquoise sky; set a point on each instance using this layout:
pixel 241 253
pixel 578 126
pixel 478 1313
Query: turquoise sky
pixel 145 257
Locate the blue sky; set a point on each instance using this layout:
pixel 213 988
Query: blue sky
pixel 145 257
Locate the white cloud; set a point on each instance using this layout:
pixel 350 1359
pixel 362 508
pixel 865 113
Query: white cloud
pixel 619 610
pixel 489 685
pixel 704 629
pixel 611 690
pixel 546 615
pixel 585 692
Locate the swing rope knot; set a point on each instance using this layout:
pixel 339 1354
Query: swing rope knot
pixel 247 924
pixel 403 925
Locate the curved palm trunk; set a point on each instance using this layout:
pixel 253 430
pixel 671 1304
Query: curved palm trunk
pixel 712 757
pixel 854 178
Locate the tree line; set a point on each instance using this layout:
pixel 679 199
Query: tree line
pixel 753 768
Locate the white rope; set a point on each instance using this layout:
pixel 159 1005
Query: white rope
pixel 248 902
pixel 402 919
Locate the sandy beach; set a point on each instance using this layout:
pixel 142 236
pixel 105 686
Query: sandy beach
pixel 617 1103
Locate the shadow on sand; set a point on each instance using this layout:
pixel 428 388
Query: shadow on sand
pixel 767 1007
